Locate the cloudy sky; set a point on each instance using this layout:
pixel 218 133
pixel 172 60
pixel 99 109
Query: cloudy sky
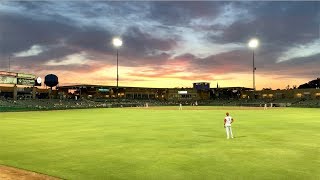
pixel 165 44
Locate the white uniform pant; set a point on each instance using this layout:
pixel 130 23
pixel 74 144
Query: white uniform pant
pixel 229 132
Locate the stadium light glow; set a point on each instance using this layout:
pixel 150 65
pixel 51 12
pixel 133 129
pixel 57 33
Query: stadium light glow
pixel 117 42
pixel 253 43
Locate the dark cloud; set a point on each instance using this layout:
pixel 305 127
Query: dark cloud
pixel 181 13
pixel 279 27
pixel 277 23
pixel 34 6
pixel 109 8
pixel 19 33
pixel 142 48
pixel 138 42
pixel 223 63
pixel 91 38
pixel 66 28
pixel 56 52
pixel 296 67
pixel 240 61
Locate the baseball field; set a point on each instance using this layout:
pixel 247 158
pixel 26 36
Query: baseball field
pixel 163 143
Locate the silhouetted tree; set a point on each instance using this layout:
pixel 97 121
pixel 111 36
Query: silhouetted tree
pixel 304 86
pixel 315 83
pixel 288 87
pixel 311 84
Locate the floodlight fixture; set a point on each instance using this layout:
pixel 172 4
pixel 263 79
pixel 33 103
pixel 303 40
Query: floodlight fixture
pixel 253 43
pixel 117 42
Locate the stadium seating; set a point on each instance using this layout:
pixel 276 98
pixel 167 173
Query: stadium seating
pixel 55 104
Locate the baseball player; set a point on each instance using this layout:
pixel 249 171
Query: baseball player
pixel 228 120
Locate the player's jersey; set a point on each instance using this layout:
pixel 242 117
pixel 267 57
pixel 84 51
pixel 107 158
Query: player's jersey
pixel 228 120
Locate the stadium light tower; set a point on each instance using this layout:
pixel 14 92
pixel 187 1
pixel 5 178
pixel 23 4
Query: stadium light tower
pixel 9 63
pixel 117 43
pixel 253 44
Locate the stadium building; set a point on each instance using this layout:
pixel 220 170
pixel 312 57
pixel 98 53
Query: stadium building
pixel 26 86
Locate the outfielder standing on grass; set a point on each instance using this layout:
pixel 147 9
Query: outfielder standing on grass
pixel 228 120
pixel 180 106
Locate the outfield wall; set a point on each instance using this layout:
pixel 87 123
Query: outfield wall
pixel 233 95
pixel 283 94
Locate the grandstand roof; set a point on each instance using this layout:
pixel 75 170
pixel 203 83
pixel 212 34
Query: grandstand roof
pixel 242 88
pixel 106 86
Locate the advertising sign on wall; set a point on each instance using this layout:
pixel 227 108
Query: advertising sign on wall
pixel 8 80
pixel 26 82
pixel 103 90
pixel 182 92
pixel 26 76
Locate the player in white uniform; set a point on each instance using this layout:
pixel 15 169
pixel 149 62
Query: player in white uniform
pixel 228 120
pixel 180 106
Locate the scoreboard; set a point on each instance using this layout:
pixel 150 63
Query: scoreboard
pixel 8 79
pixel 201 86
pixel 18 78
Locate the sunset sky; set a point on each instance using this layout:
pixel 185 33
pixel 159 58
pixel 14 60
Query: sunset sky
pixel 165 44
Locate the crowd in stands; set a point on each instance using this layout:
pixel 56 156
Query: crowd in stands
pixel 52 104
pixel 262 102
pixel 307 103
pixel 47 104
pixel 142 103
pixel 215 102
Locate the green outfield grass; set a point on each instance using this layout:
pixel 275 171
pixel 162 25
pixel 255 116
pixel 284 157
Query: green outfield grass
pixel 163 144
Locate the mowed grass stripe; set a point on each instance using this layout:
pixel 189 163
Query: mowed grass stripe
pixel 163 144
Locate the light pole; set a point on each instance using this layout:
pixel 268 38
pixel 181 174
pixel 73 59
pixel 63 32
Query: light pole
pixel 253 43
pixel 9 62
pixel 117 42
